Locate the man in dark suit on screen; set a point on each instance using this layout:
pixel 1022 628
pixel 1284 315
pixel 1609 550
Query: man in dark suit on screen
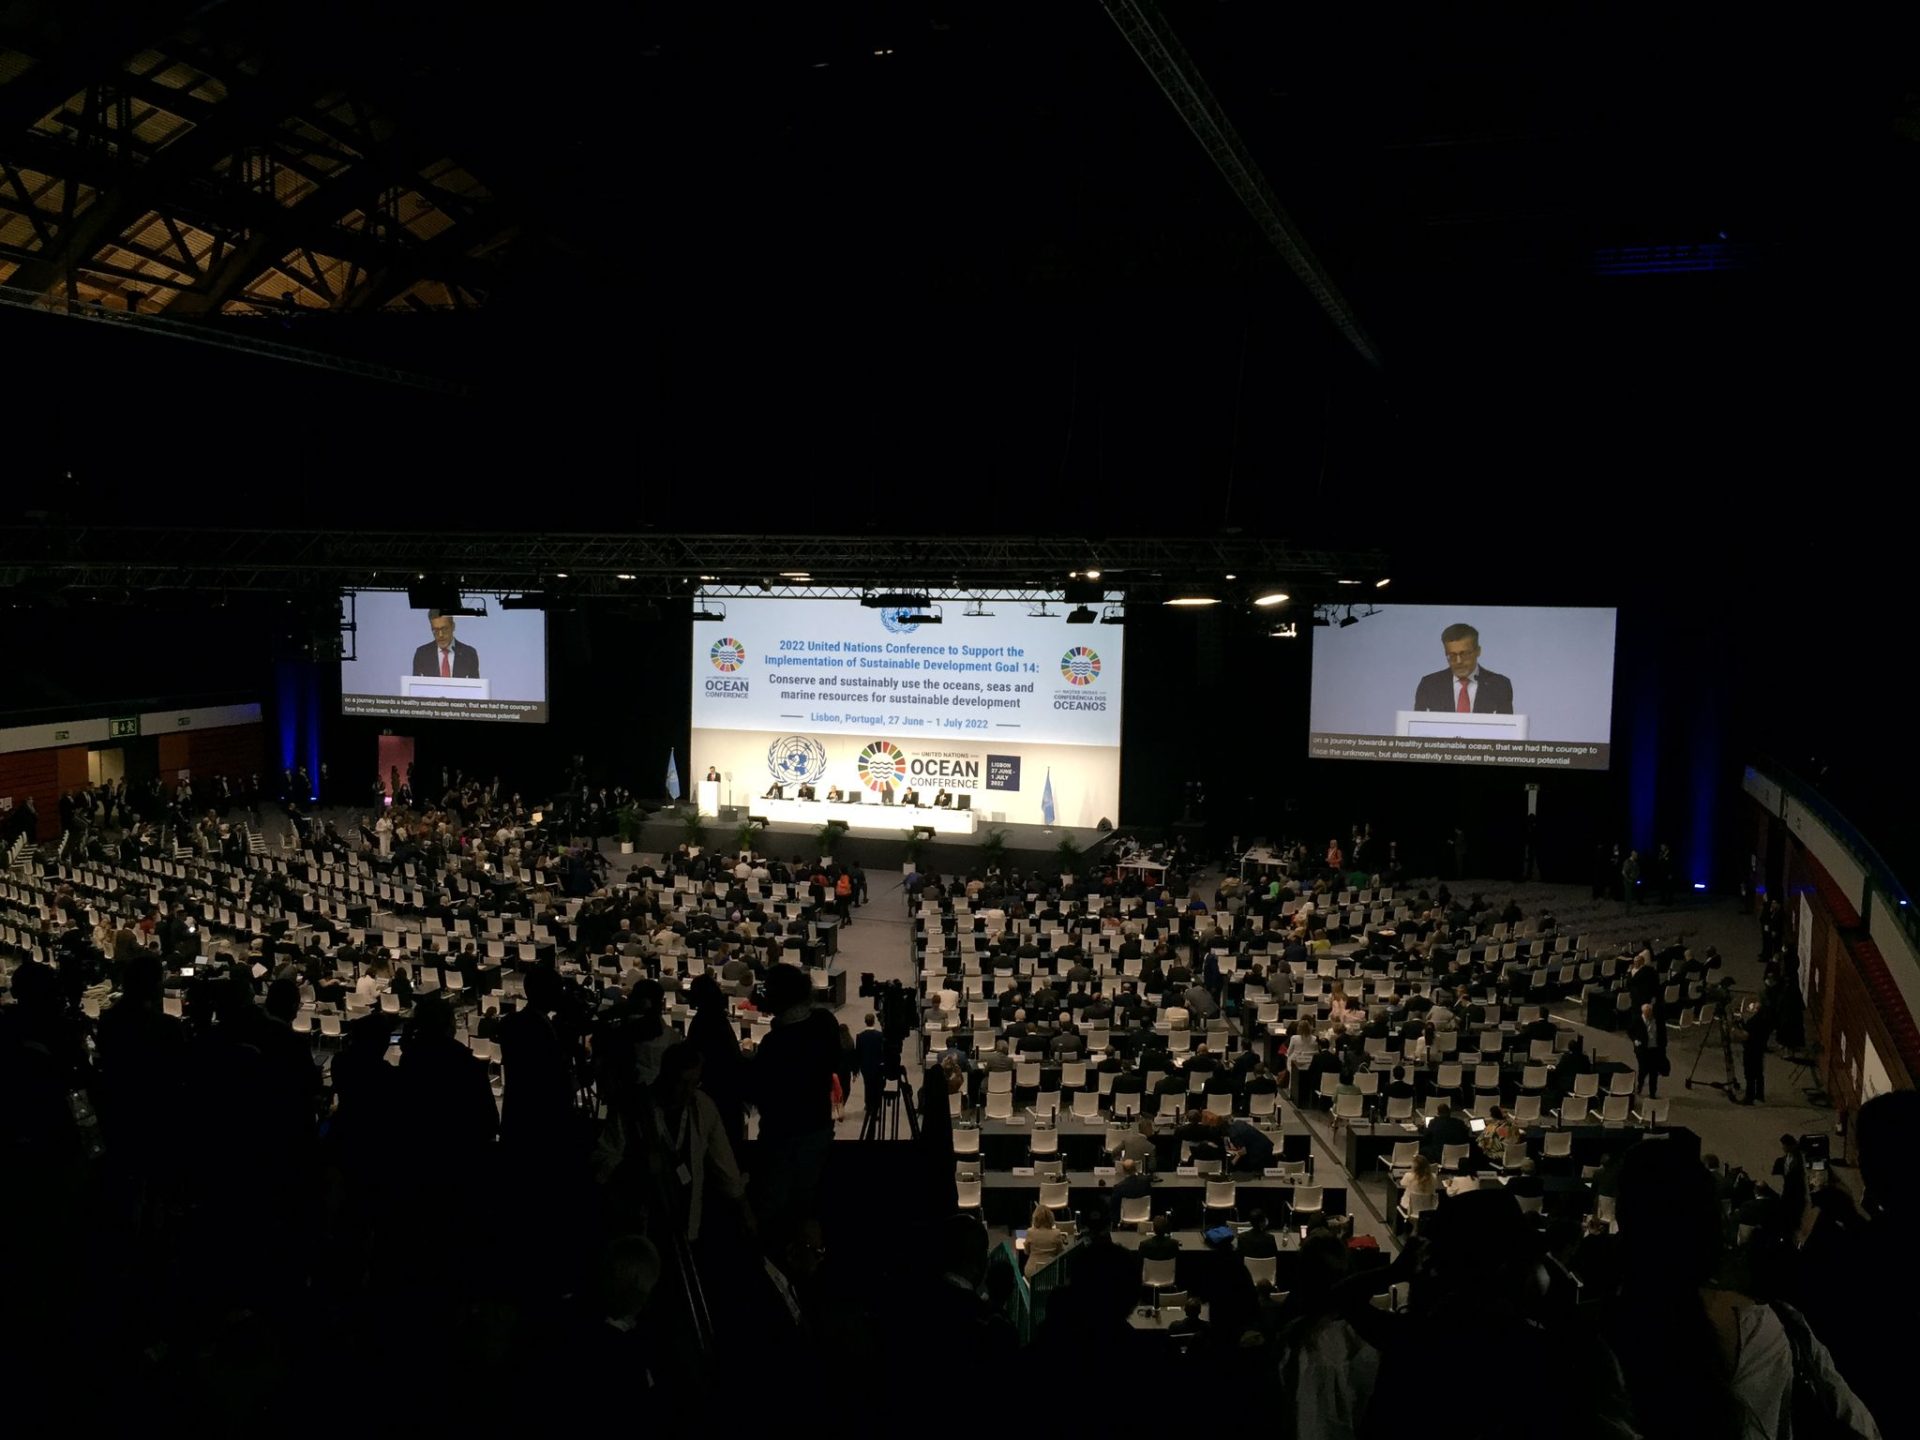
pixel 1463 686
pixel 445 656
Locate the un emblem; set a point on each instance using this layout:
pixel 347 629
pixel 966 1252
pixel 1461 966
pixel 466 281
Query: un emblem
pixel 896 621
pixel 796 760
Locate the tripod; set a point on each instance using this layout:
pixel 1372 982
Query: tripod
pixel 883 1122
pixel 1720 1030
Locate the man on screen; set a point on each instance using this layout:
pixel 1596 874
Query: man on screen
pixel 445 656
pixel 1463 686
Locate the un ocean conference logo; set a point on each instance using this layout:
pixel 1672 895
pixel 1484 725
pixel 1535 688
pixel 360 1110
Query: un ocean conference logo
pixel 727 654
pixel 895 620
pixel 883 765
pixel 1080 666
pixel 796 760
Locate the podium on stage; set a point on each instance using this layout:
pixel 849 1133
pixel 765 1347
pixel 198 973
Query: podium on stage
pixel 1451 725
pixel 706 797
pixel 442 687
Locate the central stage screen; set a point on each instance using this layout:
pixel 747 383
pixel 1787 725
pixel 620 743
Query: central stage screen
pixel 991 708
pixel 1467 685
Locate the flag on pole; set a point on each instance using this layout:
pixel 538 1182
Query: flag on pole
pixel 673 776
pixel 1046 798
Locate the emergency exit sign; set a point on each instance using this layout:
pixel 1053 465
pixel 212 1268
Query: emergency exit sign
pixel 122 729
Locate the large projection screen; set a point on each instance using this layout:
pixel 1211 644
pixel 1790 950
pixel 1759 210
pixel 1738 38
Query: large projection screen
pixel 1538 686
pixel 491 666
pixel 832 693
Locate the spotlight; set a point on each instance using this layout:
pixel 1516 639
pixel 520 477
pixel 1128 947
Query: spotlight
pixel 1383 582
pixel 1272 597
pixel 1081 615
pixel 532 600
pixel 1114 616
pixel 895 600
pixel 922 614
pixel 623 577
pixel 1346 582
pixel 1093 574
pixel 1193 600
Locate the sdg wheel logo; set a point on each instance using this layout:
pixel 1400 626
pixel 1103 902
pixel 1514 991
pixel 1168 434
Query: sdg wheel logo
pixel 1080 666
pixel 727 654
pixel 883 765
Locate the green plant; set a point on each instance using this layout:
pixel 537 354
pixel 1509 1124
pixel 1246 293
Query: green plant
pixel 747 837
pixel 1069 854
pixel 916 846
pixel 628 817
pixel 693 825
pixel 993 849
pixel 829 836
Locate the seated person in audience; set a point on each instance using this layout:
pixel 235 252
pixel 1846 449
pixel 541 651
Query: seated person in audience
pixel 1200 1002
pixel 1260 1080
pixel 942 800
pixel 1137 1145
pixel 1190 1327
pixel 1446 1128
pixel 1399 1088
pixel 1133 1181
pixel 997 1058
pixel 1421 1177
pixel 1045 1241
pixel 1172 1083
pixel 1160 1245
pixel 1257 1242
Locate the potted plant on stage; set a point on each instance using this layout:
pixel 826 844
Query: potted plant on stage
pixel 747 837
pixel 1069 854
pixel 628 817
pixel 916 846
pixel 828 837
pixel 693 827
pixel 993 850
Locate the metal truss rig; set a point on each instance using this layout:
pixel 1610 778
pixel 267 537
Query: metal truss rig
pixel 647 566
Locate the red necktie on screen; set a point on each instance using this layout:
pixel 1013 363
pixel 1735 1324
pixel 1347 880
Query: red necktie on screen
pixel 1462 706
pixel 446 673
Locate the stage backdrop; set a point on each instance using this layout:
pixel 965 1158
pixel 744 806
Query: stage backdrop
pixel 831 692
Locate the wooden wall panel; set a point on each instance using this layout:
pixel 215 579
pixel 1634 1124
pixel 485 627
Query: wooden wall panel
pixel 34 773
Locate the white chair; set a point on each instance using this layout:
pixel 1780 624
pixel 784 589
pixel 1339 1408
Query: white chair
pixel 1402 1156
pixel 1526 1109
pixel 1073 1075
pixel 1136 1211
pixel 1573 1110
pixel 1027 1074
pixel 1047 1102
pixel 1000 1106
pixel 1653 1110
pixel 1044 1144
pixel 1086 1105
pixel 1157 1275
pixel 1349 1108
pixel 969 1194
pixel 1262 1268
pixel 1262 1105
pixel 1534 1077
pixel 966 1141
pixel 1307 1200
pixel 1414 1206
pixel 1221 1194
pixel 1453 1156
pixel 1620 1082
pixel 1557 1145
pixel 1614 1110
pixel 1055 1195
pixel 1586 1085
pixel 999 1082
pixel 1399 1107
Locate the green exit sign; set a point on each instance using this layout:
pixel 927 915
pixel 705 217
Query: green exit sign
pixel 118 729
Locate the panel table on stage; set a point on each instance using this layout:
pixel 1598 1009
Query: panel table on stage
pixel 1007 1143
pixel 868 817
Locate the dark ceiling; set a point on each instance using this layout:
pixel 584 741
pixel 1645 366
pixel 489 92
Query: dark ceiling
pixel 891 267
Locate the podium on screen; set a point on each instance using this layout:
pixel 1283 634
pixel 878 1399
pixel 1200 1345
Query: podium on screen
pixel 440 687
pixel 1450 725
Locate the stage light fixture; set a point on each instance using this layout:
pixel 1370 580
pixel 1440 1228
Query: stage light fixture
pixel 1093 574
pixel 532 600
pixel 1288 631
pixel 1383 582
pixel 1346 582
pixel 1114 616
pixel 709 610
pixel 1081 615
pixel 623 577
pixel 1349 619
pixel 923 615
pixel 1192 600
pixel 895 600
pixel 1272 597
pixel 979 611
pixel 560 575
pixel 1232 576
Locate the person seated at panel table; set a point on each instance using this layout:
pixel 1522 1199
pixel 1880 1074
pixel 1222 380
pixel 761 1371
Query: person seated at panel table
pixel 775 791
pixel 942 801
pixel 835 795
pixel 805 792
pixel 910 796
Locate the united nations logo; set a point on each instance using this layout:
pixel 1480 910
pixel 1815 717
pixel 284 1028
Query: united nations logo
pixel 727 654
pixel 796 760
pixel 883 765
pixel 896 621
pixel 1080 666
